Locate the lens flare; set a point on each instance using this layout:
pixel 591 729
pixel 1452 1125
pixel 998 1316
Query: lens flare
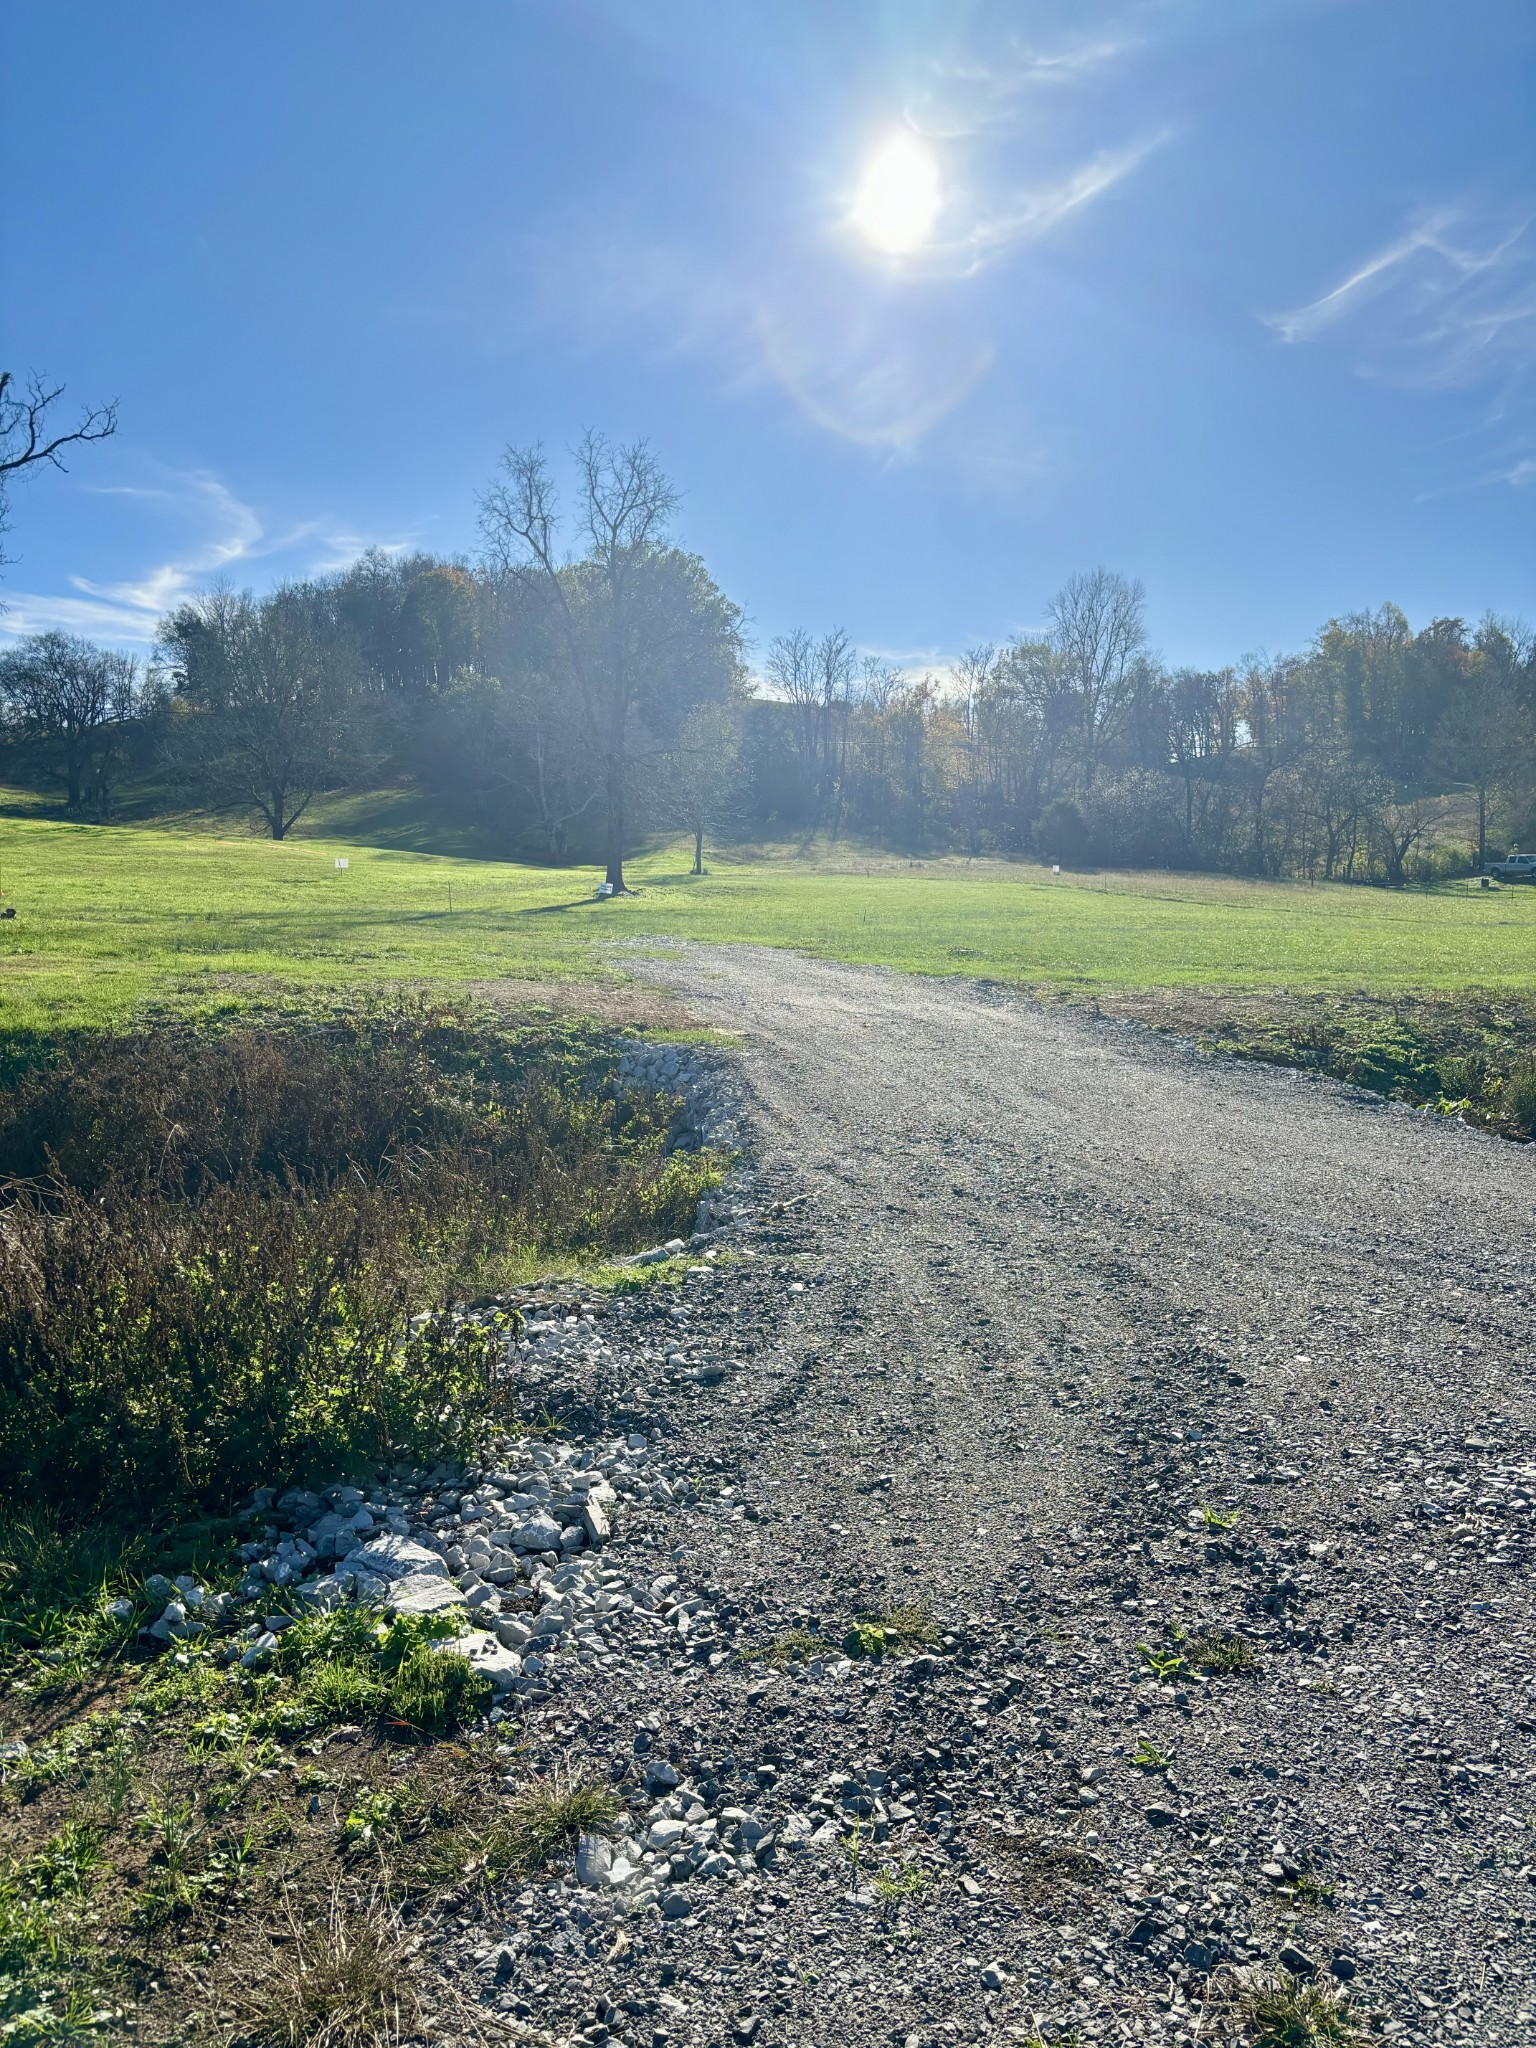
pixel 899 196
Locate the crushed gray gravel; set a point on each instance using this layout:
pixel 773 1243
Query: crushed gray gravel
pixel 1105 1353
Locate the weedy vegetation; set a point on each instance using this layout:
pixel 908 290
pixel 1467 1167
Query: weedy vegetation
pixel 1222 1656
pixel 545 1821
pixel 1148 1757
pixel 795 1646
pixel 889 1631
pixel 216 1244
pixel 1281 2011
pixel 898 1884
pixel 345 1984
pixel 1164 1665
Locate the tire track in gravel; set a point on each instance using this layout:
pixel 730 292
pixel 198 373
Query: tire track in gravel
pixel 1065 1287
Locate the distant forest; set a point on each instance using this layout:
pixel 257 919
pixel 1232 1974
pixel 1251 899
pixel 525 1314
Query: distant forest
pixel 584 688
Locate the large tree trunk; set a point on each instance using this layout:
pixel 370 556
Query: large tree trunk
pixel 614 777
pixel 698 849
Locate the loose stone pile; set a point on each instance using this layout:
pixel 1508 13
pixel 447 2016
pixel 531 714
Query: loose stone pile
pixel 518 1547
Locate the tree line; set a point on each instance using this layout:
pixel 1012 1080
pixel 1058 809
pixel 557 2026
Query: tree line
pixel 584 686
pixel 1378 753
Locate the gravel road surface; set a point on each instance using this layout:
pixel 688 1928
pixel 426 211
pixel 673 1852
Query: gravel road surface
pixel 1189 1401
pixel 1068 1286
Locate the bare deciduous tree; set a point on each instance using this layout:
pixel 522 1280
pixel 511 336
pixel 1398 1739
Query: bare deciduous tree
pixel 705 772
pixel 1096 627
pixel 265 691
pixel 975 672
pixel 637 625
pixel 29 440
pixel 74 699
pixel 1483 737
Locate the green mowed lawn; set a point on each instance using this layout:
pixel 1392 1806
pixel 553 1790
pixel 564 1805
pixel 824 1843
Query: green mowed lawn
pixel 110 917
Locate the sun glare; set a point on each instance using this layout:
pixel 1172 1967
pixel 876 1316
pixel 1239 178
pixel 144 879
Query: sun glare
pixel 898 197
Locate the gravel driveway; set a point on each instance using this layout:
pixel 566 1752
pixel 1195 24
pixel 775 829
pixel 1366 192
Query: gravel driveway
pixel 1094 1342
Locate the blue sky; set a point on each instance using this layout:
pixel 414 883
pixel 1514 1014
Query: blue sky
pixel 1238 296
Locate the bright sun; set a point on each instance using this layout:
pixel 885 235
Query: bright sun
pixel 898 197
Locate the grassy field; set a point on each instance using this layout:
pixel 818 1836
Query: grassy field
pixel 108 918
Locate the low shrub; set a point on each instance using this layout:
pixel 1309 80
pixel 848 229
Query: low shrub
pixel 211 1245
pixel 1519 1096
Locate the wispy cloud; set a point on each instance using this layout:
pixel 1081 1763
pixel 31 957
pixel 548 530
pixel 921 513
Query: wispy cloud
pixel 1449 304
pixel 1450 300
pixel 992 228
pixel 232 531
pixel 962 97
pixel 225 533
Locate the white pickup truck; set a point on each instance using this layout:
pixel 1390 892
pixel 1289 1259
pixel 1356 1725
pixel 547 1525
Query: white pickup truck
pixel 1516 867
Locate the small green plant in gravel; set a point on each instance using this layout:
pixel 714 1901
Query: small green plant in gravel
pixel 1221 1655
pixel 795 1646
pixel 898 1883
pixel 546 1819
pixel 1165 1665
pixel 1213 1518
pixel 1281 2011
pixel 1311 1891
pixel 885 1630
pixel 638 1279
pixel 374 1819
pixel 1147 1757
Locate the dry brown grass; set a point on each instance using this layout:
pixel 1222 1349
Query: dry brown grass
pixel 345 1984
